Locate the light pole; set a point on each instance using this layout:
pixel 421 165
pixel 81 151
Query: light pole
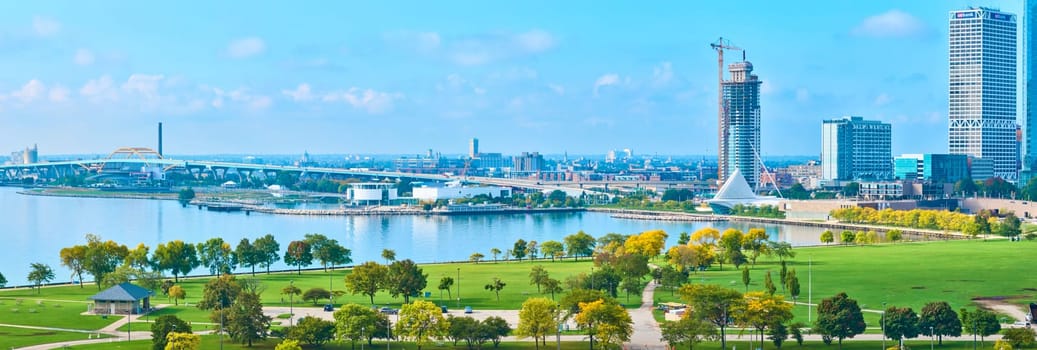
pixel 362 328
pixel 883 325
pixel 458 287
pixel 291 304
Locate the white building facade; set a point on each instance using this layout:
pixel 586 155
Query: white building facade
pixel 982 88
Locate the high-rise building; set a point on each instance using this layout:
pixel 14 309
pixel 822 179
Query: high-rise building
pixel 473 148
pixel 739 139
pixel 529 162
pixel 856 149
pixel 1029 120
pixel 982 108
pixel 946 168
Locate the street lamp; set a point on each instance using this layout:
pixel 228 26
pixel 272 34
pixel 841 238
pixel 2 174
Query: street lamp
pixel 883 325
pixel 931 336
pixel 362 328
pixel 458 287
pixel 291 304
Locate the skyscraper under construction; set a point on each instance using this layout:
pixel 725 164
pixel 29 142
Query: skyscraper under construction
pixel 739 136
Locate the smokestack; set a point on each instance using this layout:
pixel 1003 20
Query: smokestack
pixel 160 138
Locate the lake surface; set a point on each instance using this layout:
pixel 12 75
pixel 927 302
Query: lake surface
pixel 35 228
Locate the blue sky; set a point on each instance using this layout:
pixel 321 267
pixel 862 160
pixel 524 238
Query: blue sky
pixel 401 77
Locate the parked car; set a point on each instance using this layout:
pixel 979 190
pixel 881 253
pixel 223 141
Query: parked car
pixel 467 309
pixel 443 308
pixel 329 307
pixel 388 310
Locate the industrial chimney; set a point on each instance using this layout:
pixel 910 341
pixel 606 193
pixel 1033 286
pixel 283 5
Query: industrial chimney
pixel 160 138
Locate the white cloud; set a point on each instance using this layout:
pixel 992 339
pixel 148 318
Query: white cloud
pixel 427 41
pixel 892 23
pixel 58 93
pixel 300 94
pixel 535 40
pixel 662 74
pixel 471 58
pixel 883 99
pixel 605 80
pixel 558 89
pixel 217 102
pixel 100 89
pixel 246 47
pixel 83 57
pixel 44 26
pixel 29 92
pixel 260 102
pixel 374 102
pixel 144 84
pixel 240 96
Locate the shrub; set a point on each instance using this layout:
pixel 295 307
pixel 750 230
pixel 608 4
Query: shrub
pixel 1019 337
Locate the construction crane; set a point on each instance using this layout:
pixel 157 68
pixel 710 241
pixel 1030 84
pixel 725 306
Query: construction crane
pixel 720 45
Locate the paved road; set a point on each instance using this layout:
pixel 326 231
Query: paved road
pixel 646 330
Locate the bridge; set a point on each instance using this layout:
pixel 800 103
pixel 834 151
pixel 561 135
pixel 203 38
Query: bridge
pixel 128 160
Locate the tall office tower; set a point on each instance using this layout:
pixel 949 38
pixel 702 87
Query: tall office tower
pixel 473 148
pixel 740 124
pixel 1029 161
pixel 982 108
pixel 856 149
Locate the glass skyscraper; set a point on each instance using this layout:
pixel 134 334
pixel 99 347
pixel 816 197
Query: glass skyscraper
pixel 740 124
pixel 856 149
pixel 982 88
pixel 1029 92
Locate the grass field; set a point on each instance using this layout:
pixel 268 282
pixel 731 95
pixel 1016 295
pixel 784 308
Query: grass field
pixel 909 274
pixel 11 337
pixel 47 313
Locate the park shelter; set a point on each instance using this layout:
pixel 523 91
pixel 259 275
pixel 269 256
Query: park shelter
pixel 124 298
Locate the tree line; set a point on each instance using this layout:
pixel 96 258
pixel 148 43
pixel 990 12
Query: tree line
pixel 984 222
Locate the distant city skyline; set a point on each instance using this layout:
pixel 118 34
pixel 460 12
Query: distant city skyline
pixel 400 78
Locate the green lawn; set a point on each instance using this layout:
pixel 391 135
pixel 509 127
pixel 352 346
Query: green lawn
pixel 909 274
pixel 46 313
pixel 11 337
pixel 213 342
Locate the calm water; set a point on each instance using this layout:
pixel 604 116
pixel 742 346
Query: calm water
pixel 37 227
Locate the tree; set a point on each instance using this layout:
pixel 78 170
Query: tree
pixel 316 294
pixel 579 244
pixel 162 326
pixel 406 278
pixel 389 255
pixel 796 330
pixel 673 278
pixel 755 243
pixel 267 249
pixel 495 252
pixel 941 318
pixel 177 293
pixel 552 286
pixel 421 322
pixel 367 279
pixel 631 285
pixel 102 257
pixel 792 285
pixel 246 322
pixel 290 290
pixel 445 283
pixel 894 235
pixel 537 319
pixel 216 255
pixel 537 276
pixel 40 274
pixel 328 251
pixel 1010 226
pixel 839 317
pixel 177 257
pixel 288 344
pixel 552 249
pixel 462 328
pixel 246 255
pixel 495 287
pixel 312 331
pixel 298 255
pixel 182 341
pixel 476 257
pixel 608 321
pixel 851 189
pixel 689 330
pixel 900 323
pixel 745 278
pixel 827 237
pixel 494 328
pixel 532 249
pixel 712 303
pixel 3 281
pixel 74 258
pixel 980 322
pixel 1019 337
pixel 518 250
pixel 847 237
pixel 355 322
pixel 185 195
pixel 778 333
pixel 761 311
pixel 1002 344
pixel 783 250
pixel 769 284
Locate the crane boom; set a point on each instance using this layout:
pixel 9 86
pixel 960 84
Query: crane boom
pixel 720 45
